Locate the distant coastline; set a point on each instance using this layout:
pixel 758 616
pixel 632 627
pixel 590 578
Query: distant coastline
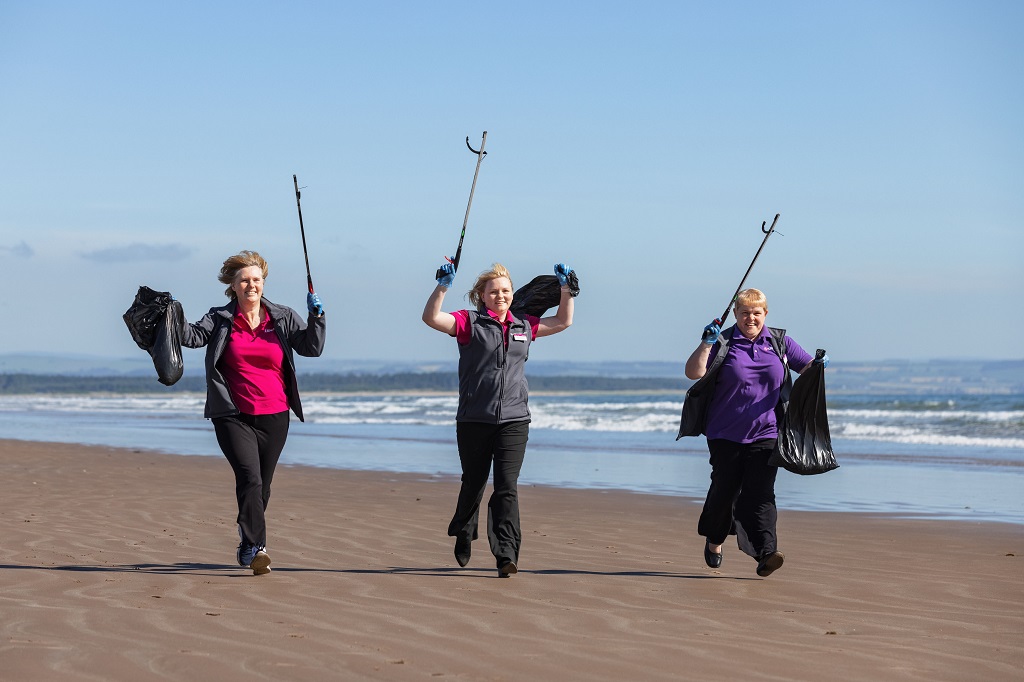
pixel 434 382
pixel 44 373
pixel 842 380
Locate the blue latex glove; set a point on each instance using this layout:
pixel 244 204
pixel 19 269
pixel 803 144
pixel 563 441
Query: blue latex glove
pixel 562 273
pixel 314 305
pixel 823 361
pixel 711 333
pixel 446 275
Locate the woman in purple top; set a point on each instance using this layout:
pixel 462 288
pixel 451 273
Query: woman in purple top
pixel 741 429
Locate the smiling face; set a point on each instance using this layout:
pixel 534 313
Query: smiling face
pixel 750 320
pixel 497 296
pixel 248 285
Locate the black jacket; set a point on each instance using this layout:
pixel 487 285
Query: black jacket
pixel 305 337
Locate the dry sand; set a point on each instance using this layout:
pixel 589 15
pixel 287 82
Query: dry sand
pixel 119 565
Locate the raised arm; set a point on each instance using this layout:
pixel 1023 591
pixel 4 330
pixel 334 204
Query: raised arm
pixel 562 319
pixel 433 316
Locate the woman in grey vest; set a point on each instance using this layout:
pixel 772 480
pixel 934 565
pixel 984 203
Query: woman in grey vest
pixel 493 419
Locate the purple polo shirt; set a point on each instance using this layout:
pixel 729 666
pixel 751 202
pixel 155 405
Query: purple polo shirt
pixel 749 382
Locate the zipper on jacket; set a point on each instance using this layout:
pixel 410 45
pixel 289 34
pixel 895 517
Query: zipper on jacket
pixel 501 373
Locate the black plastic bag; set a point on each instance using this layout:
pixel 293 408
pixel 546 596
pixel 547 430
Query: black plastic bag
pixel 156 321
pixel 804 446
pixel 540 294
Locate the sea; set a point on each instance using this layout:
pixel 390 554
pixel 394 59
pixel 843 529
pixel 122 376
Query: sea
pixel 956 457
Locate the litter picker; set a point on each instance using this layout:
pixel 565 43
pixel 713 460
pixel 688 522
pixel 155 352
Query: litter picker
pixel 298 203
pixel 480 154
pixel 767 233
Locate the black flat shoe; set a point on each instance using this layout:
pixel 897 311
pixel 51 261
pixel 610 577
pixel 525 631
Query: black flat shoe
pixel 507 568
pixel 710 558
pixel 463 551
pixel 769 564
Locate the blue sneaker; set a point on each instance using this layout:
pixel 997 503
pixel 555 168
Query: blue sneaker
pixel 245 551
pixel 252 556
pixel 245 554
pixel 256 558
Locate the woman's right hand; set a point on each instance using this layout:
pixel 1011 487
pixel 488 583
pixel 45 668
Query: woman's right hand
pixel 711 332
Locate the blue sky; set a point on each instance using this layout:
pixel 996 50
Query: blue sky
pixel 642 143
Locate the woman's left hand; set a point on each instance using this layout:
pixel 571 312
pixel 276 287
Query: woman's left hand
pixel 314 305
pixel 562 273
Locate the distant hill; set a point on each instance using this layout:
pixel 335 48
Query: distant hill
pixel 32 373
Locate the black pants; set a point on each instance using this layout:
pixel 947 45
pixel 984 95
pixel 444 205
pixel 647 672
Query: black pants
pixel 741 498
pixel 252 445
pixel 479 445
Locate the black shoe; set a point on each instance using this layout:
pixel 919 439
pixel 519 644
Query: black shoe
pixel 710 558
pixel 769 564
pixel 463 550
pixel 507 568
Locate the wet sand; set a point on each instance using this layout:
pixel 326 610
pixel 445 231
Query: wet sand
pixel 119 565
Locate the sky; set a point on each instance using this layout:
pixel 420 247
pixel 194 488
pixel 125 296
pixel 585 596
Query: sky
pixel 641 143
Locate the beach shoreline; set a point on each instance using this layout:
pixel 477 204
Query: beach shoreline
pixel 119 564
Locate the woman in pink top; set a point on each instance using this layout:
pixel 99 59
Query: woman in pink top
pixel 250 387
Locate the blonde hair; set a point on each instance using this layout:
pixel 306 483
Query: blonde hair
pixel 476 293
pixel 238 262
pixel 751 298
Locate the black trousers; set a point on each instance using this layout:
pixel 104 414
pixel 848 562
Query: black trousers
pixel 741 498
pixel 252 445
pixel 479 445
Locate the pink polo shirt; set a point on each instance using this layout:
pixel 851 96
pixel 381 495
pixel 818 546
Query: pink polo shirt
pixel 252 366
pixel 463 334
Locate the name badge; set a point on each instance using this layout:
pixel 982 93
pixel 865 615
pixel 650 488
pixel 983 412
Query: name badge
pixel 519 337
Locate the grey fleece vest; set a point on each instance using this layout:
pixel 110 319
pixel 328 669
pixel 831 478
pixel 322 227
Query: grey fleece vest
pixel 492 386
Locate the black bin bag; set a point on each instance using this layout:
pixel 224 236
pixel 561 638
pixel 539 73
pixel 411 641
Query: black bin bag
pixel 804 446
pixel 156 322
pixel 540 294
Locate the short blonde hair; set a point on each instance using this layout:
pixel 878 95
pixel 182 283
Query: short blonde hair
pixel 476 293
pixel 238 262
pixel 751 298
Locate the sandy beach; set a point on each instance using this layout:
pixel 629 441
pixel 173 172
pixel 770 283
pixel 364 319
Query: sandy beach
pixel 119 565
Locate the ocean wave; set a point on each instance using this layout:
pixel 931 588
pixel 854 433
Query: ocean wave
pixel 410 421
pixel 995 416
pixel 900 434
pixel 649 406
pixel 172 403
pixel 588 422
pixel 985 427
